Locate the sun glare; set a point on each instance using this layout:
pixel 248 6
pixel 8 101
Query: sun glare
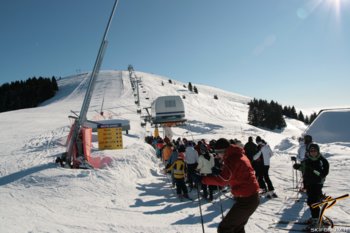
pixel 336 5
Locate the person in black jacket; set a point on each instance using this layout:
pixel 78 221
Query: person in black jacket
pixel 250 149
pixel 315 168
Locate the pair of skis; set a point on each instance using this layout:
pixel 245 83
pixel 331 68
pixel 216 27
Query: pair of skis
pixel 303 226
pixel 324 224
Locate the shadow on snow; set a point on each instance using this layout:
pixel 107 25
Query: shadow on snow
pixel 168 202
pixel 21 174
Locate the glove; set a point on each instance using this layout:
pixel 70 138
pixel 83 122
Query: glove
pixel 296 166
pixel 317 173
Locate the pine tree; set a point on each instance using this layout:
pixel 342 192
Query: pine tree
pixel 294 114
pixel 54 83
pixel 313 117
pixel 26 94
pixel 306 120
pixel 195 89
pixel 190 86
pixel 264 114
pixel 301 116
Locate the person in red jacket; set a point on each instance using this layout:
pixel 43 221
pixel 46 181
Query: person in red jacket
pixel 237 172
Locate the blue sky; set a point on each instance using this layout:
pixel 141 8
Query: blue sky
pixel 295 52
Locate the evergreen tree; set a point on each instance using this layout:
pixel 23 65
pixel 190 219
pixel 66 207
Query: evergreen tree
pixel 301 116
pixel 264 114
pixel 313 117
pixel 54 83
pixel 306 120
pixel 286 111
pixel 195 89
pixel 26 94
pixel 293 113
pixel 190 86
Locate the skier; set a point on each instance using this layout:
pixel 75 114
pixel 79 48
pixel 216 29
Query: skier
pixel 179 170
pixel 167 151
pixel 239 174
pixel 250 149
pixel 173 157
pixel 205 164
pixel 159 147
pixel 303 152
pixel 265 154
pixel 315 168
pixel 192 162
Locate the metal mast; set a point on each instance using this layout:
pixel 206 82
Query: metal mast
pixel 83 112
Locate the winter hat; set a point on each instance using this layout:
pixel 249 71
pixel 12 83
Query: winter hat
pixel 212 143
pixel 221 145
pixel 166 140
pixel 314 146
pixel 250 139
pixel 191 143
pixel 182 148
pixel 307 139
pixel 258 139
pixel 203 149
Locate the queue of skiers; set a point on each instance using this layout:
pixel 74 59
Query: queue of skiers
pixel 208 167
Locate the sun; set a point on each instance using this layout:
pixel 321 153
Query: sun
pixel 336 4
pixel 334 7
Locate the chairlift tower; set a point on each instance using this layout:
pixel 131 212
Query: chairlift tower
pixel 87 99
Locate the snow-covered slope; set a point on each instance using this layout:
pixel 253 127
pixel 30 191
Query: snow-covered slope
pixel 331 126
pixel 132 195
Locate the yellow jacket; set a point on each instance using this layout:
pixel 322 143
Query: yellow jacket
pixel 178 168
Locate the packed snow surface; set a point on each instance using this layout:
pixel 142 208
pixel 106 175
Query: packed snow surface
pixel 132 194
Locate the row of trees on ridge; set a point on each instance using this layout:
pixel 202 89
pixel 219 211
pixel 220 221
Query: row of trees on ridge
pixel 26 94
pixel 270 114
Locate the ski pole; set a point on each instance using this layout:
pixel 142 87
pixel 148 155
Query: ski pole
pixel 222 212
pixel 293 177
pixel 294 159
pixel 296 179
pixel 200 207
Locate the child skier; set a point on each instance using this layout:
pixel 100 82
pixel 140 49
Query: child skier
pixel 179 170
pixel 315 168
